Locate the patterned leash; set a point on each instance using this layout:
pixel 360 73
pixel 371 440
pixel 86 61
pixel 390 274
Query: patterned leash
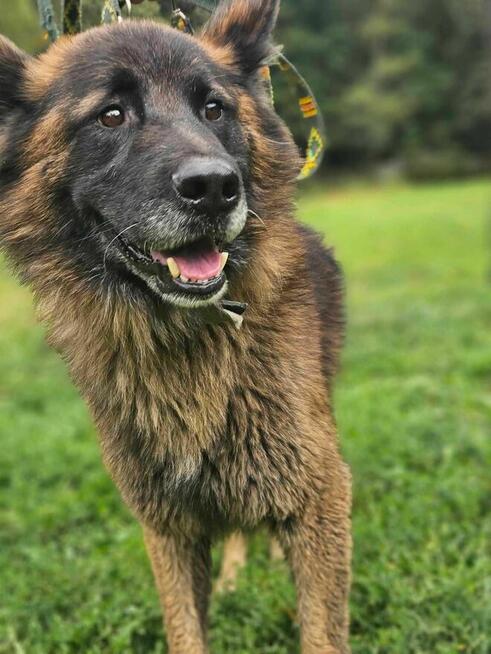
pixel 47 19
pixel 72 15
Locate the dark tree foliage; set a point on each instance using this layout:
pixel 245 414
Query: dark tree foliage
pixel 397 80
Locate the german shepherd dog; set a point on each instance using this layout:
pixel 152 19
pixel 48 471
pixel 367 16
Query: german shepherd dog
pixel 144 179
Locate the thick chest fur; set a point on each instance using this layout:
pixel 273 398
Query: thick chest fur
pixel 221 429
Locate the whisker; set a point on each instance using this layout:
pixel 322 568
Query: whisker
pixel 266 138
pixel 115 239
pixel 60 229
pixel 93 232
pixel 253 213
pixel 94 277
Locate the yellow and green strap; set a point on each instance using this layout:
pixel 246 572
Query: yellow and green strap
pixel 72 16
pixel 312 116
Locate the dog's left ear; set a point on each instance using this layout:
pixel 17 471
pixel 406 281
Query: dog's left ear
pixel 244 27
pixel 12 71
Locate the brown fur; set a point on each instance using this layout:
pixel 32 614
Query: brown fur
pixel 205 429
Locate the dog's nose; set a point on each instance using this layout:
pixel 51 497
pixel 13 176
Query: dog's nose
pixel 210 185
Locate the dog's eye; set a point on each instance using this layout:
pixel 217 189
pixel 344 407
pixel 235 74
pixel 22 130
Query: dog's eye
pixel 112 117
pixel 213 110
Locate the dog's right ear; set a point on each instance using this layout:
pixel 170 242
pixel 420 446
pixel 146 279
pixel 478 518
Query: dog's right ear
pixel 12 70
pixel 245 27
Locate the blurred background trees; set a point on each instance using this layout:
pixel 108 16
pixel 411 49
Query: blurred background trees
pixel 402 84
pixel 398 79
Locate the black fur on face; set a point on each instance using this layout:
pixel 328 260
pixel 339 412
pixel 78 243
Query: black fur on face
pixel 157 158
pixel 143 181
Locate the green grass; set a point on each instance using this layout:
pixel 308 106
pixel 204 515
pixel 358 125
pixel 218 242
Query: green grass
pixel 414 410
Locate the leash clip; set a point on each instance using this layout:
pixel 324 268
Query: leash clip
pixel 181 22
pixel 233 311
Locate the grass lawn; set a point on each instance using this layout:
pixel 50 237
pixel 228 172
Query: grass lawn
pixel 414 410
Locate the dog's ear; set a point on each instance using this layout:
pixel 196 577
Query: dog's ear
pixel 12 71
pixel 244 28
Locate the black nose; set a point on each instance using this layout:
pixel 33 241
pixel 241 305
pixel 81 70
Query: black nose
pixel 210 185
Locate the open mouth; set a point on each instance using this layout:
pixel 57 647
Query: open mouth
pixel 195 269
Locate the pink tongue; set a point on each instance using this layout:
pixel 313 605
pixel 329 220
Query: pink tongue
pixel 196 266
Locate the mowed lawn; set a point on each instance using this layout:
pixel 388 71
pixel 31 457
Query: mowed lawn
pixel 414 411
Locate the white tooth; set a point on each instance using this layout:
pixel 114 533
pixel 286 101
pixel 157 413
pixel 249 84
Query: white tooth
pixel 173 267
pixel 184 279
pixel 224 258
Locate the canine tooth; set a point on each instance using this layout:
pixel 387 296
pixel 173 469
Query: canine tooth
pixel 173 267
pixel 224 258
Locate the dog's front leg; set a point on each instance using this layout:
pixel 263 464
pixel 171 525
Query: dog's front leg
pixel 182 574
pixel 318 545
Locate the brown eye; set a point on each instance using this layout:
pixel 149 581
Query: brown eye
pixel 112 117
pixel 213 110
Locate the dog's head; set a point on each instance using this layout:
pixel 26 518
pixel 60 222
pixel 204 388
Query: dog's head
pixel 145 156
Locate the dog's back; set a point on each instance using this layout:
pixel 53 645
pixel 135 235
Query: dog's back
pixel 327 282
